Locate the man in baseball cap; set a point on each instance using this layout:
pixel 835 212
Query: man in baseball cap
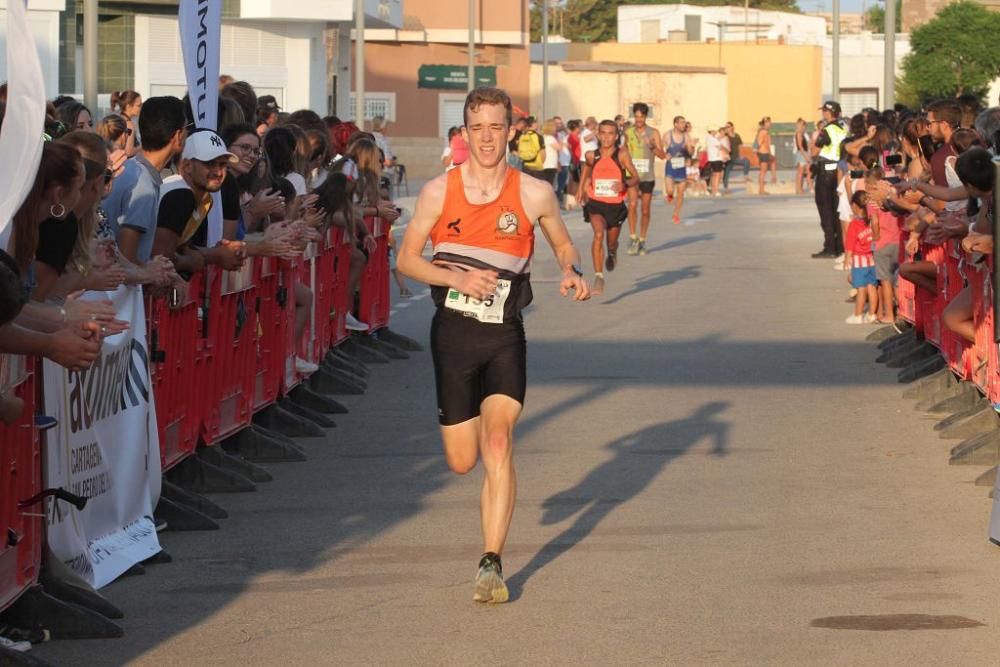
pixel 268 103
pixel 186 199
pixel 831 106
pixel 829 142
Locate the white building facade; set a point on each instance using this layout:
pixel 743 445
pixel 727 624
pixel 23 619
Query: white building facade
pixel 693 23
pixel 279 46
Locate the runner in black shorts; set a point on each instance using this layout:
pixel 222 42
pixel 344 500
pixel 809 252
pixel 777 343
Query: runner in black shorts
pixel 644 145
pixel 603 188
pixel 480 220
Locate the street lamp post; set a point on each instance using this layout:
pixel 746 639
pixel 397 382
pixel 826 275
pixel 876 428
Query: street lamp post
pixel 472 44
pixel 889 83
pixel 545 59
pixel 90 55
pixel 359 62
pixel 835 74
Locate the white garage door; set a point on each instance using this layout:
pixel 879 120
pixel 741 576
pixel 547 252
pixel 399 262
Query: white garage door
pixel 450 112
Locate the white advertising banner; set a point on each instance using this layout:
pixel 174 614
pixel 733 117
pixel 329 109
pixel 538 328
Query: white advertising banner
pixel 105 448
pixel 21 137
pixel 200 23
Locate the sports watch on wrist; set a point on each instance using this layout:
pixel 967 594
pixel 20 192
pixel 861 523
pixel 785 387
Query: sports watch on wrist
pixel 575 269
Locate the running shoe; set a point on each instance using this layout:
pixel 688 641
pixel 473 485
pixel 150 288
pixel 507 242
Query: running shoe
pixel 598 288
pixel 670 198
pixel 304 366
pixel 489 580
pixel 352 323
pixel 855 319
pixel 633 247
pixel 677 219
pixel 611 261
pixel 642 247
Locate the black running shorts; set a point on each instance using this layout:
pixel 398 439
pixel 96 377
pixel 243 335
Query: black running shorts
pixel 614 214
pixel 473 360
pixel 646 187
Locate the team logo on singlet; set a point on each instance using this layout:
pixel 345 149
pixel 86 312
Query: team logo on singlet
pixel 507 223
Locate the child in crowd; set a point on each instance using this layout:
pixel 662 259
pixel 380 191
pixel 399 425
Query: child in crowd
pixel 861 257
pixel 886 231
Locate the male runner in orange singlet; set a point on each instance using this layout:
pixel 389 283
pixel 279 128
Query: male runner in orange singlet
pixel 480 219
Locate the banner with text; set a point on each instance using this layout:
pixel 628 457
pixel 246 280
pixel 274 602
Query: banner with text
pixel 200 23
pixel 105 448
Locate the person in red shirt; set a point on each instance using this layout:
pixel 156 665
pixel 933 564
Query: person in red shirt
pixel 861 259
pixel 887 232
pixel 573 142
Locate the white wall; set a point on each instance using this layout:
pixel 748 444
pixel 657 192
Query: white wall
pixel 793 28
pixel 284 59
pixel 44 27
pixel 861 63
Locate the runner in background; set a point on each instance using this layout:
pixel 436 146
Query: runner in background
pixel 644 145
pixel 603 186
pixel 676 148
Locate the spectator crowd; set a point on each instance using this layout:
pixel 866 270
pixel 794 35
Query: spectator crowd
pixel 125 199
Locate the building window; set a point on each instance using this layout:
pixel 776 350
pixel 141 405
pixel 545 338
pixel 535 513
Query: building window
pixel 853 100
pixel 378 104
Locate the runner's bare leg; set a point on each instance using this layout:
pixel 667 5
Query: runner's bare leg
pixel 499 414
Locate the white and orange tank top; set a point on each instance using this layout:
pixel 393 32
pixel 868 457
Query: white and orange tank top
pixel 604 173
pixel 497 235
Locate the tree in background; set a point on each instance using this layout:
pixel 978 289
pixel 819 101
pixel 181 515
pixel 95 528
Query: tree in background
pixel 597 20
pixel 954 54
pixel 875 18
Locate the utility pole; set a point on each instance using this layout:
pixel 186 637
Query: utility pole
pixel 545 59
pixel 90 56
pixel 746 21
pixel 359 63
pixel 889 84
pixel 835 74
pixel 472 44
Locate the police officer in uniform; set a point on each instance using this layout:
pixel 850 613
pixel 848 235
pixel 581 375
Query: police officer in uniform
pixel 828 142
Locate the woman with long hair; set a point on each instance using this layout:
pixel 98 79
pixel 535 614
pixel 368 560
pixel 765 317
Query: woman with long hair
pixel 75 116
pixel 802 159
pixel 54 194
pixel 115 130
pixel 129 104
pixel 764 155
pixel 281 148
pixel 66 258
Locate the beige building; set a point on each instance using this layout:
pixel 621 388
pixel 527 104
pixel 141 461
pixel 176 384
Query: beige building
pixel 777 80
pixel 669 90
pixel 918 12
pixel 416 76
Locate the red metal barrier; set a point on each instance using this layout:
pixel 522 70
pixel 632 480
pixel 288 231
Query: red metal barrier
pixel 373 307
pixel 275 322
pixel 340 298
pixel 983 355
pixel 930 303
pixel 229 352
pixel 951 279
pixel 179 385
pixel 21 531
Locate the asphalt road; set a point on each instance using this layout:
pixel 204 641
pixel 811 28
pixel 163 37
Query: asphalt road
pixel 712 469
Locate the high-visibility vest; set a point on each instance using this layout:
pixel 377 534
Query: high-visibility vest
pixel 837 134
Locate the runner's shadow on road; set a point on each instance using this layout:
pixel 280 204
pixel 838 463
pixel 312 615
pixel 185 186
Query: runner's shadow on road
pixel 684 240
pixel 657 280
pixel 638 459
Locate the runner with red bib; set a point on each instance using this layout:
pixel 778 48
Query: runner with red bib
pixel 603 188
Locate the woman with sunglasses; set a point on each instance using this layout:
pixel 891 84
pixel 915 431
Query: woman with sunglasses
pixel 129 104
pixel 248 200
pixel 116 130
